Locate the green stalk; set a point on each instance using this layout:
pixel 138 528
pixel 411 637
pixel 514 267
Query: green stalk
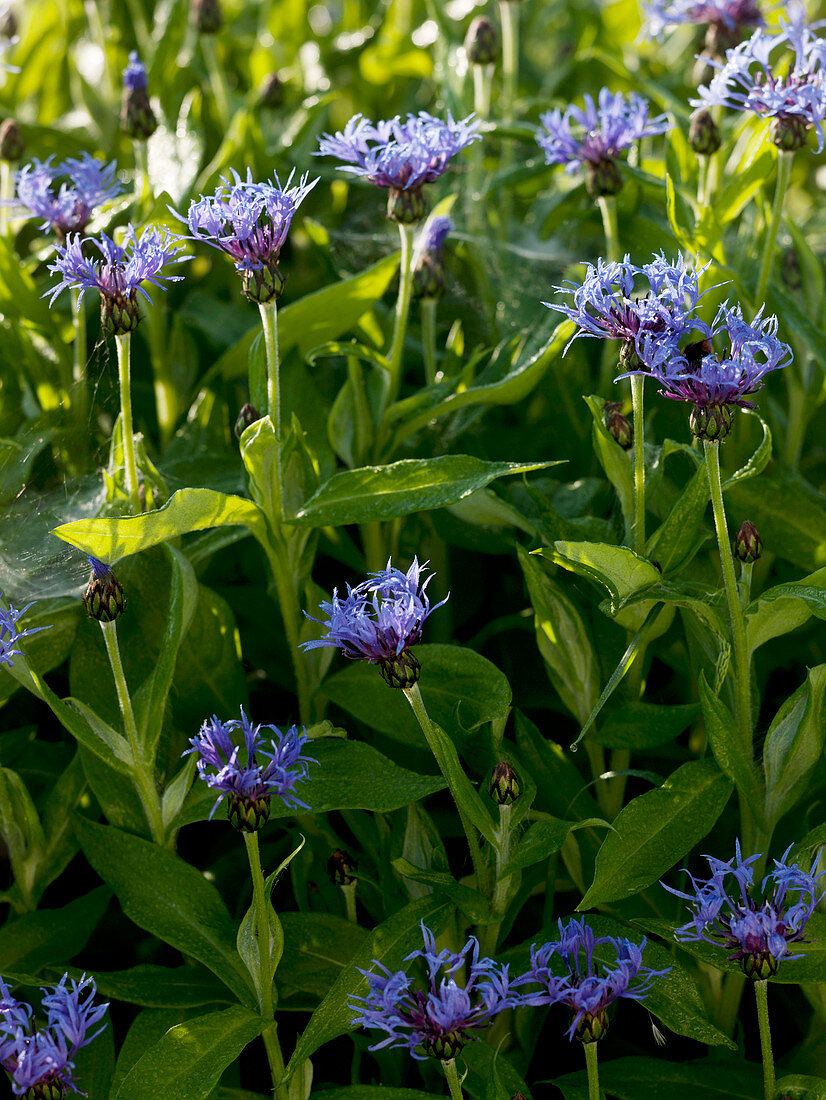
pixel 124 345
pixel 509 18
pixel 349 892
pixel 761 995
pixel 269 321
pixel 93 17
pixel 6 195
pixel 592 1064
pixel 610 225
pixel 406 233
pixel 637 393
pixel 738 623
pixel 144 783
pixel 489 936
pixel 80 397
pixel 453 1082
pixel 217 79
pixel 429 339
pixel 784 172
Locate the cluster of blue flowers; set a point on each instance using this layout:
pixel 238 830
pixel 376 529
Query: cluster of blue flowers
pixel 66 195
pixel 734 15
pixel 10 632
pixel 39 1057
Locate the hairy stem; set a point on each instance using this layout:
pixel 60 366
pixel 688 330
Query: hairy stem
pixel 610 224
pixel 429 338
pixel 406 233
pixel 761 995
pixel 592 1065
pixel 637 393
pixel 784 172
pixel 453 1082
pixel 124 345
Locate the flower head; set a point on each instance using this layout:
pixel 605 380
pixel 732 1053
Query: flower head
pixel 591 137
pixel 759 929
pixel 41 1056
pixel 119 273
pixel 104 598
pixel 379 620
pixel 725 20
pixel 567 973
pixel 137 119
pixel 67 194
pixel 10 633
pixel 441 1017
pixel 250 222
pixel 252 784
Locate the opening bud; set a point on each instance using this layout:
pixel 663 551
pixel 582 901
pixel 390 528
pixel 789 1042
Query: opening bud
pixel 704 134
pixel 504 787
pixel 248 414
pixel 8 24
pixel 104 598
pixel 401 671
pixel 342 868
pixel 759 967
pixel 406 206
pixel 711 422
pixel 788 132
pixel 482 41
pixel 429 277
pixel 119 313
pixel 264 285
pixel 248 815
pixel 12 145
pixel 446 1046
pixel 747 543
pixel 592 1028
pixel 603 178
pixel 207 16
pixel 618 425
pixel 137 119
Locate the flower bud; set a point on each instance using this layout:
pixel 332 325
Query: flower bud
pixel 704 134
pixel 406 206
pixel 720 38
pixel 446 1047
pixel 137 119
pixel 119 313
pixel 429 274
pixel 759 967
pixel 271 92
pixel 45 1090
pixel 619 426
pixel 482 41
pixel 747 543
pixel 12 145
pixel 207 16
pixel 592 1028
pixel 401 671
pixel 248 414
pixel 104 598
pixel 264 285
pixel 629 360
pixel 602 178
pixel 788 132
pixel 504 785
pixel 342 868
pixel 8 24
pixel 711 422
pixel 248 815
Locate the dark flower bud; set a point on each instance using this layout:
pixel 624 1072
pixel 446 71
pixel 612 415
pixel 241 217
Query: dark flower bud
pixel 504 785
pixel 720 38
pixel 446 1047
pixel 119 313
pixel 401 671
pixel 247 415
pixel 341 867
pixel 629 360
pixel 711 422
pixel 137 119
pixel 264 285
pixel 592 1028
pixel 271 92
pixel 248 815
pixel 704 134
pixel 602 178
pixel 747 543
pixel 104 598
pixel 207 16
pixel 788 132
pixel 619 426
pixel 759 967
pixel 12 145
pixel 482 41
pixel 518 1096
pixel 45 1090
pixel 8 24
pixel 406 206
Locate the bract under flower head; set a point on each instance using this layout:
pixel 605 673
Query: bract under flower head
pixel 380 619
pixel 35 1055
pixel 440 1018
pixel 568 973
pixel 10 633
pixel 67 194
pixel 759 929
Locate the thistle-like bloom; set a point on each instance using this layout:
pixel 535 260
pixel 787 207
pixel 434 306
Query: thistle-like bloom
pixel 429 276
pixel 757 929
pixel 250 222
pixel 10 633
pixel 67 194
pixel 441 1017
pixel 250 785
pixel 567 973
pixel 593 136
pixel 380 620
pixel 119 273
pixel 793 102
pixel 402 156
pixel 40 1058
pixel 726 21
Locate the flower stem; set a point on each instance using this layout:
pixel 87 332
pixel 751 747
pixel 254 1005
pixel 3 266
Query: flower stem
pixel 509 18
pixel 453 1082
pixel 738 623
pixel 6 195
pixel 761 995
pixel 637 391
pixel 80 396
pixel 592 1065
pixel 349 892
pixel 784 172
pixel 124 344
pixel 429 339
pixel 489 936
pixel 144 783
pixel 608 208
pixel 217 79
pixel 402 311
pixel 269 321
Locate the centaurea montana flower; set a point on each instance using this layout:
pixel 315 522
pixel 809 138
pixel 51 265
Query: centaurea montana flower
pixel 429 276
pixel 794 102
pixel 442 1017
pixel 726 21
pixel 567 973
pixel 757 929
pixel 119 273
pixel 402 156
pixel 249 222
pixel 379 620
pixel 37 1058
pixel 67 194
pixel 10 633
pixel 251 785
pixel 591 137
pixel 137 118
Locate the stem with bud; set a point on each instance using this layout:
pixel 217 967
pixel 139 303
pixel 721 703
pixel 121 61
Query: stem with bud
pixel 784 172
pixel 761 995
pixel 592 1065
pixel 124 345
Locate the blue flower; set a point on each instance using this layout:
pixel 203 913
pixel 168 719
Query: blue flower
pixel 429 275
pixel 794 101
pixel 757 929
pixel 587 988
pixel 134 75
pixel 733 15
pixel 249 222
pixel 10 634
pixel 119 273
pixel 67 194
pixel 435 234
pixel 35 1055
pixel 250 785
pixel 441 1017
pixel 379 620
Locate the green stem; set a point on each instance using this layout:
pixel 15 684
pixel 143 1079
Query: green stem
pixel 291 617
pixel 490 933
pixel 592 1064
pixel 269 321
pixel 482 86
pixel 141 173
pixel 349 892
pixel 124 344
pixel 453 1082
pixel 610 224
pixel 784 172
pixel 144 783
pixel 746 571
pixel 95 22
pixel 406 233
pixel 761 995
pixel 509 18
pixel 429 339
pixel 738 623
pixel 80 397
pixel 217 79
pixel 6 195
pixel 637 391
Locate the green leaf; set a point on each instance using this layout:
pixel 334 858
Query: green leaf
pixel 643 725
pixel 317 946
pixel 51 936
pixel 543 838
pixel 654 1078
pixel 617 568
pixel 781 609
pixel 188 1061
pixel 732 756
pixel 657 829
pixel 615 461
pixel 676 541
pixel 468 799
pixel 758 461
pixel 794 744
pixel 490 1076
pixel 800 1086
pixel 378 1092
pixel 475 907
pixel 791 518
pixel 152 986
pixel 373 493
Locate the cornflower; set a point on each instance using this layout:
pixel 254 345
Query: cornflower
pixel 379 620
pixel 38 1059
pixel 251 785
pixel 591 137
pixel 429 258
pixel 10 634
pixel 137 119
pixel 440 1018
pixel 725 21
pixel 66 195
